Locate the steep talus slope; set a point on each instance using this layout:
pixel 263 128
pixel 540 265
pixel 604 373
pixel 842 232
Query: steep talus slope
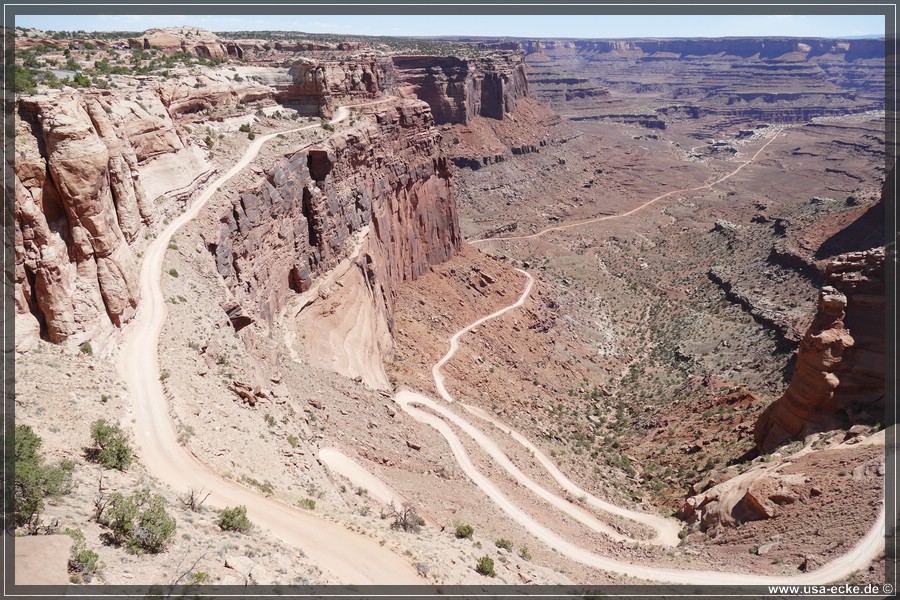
pixel 387 181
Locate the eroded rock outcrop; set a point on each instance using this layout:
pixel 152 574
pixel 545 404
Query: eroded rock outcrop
pixel 379 194
pixel 78 204
pixel 214 89
pixel 839 378
pixel 193 40
pixel 88 166
pixel 458 89
pixel 321 85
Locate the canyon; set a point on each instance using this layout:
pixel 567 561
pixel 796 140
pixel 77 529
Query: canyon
pixel 692 387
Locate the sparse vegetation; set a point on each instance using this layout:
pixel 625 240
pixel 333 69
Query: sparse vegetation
pixel 464 531
pixel 86 348
pixel 140 522
pixel 505 544
pixel 36 481
pixel 307 503
pixel 234 519
pixel 485 566
pixel 113 450
pixel 84 563
pixel 406 518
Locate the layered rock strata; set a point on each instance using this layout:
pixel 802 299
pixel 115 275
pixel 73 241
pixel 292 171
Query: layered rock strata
pixel 726 80
pixel 380 194
pixel 459 89
pixel 839 378
pixel 320 85
pixel 192 40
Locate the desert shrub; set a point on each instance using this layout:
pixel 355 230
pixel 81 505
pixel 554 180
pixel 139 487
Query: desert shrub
pixel 504 543
pixel 406 518
pixel 327 126
pixel 114 451
pixel 234 519
pixel 464 531
pixel 307 503
pixel 485 566
pixel 245 128
pixel 86 348
pixel 251 136
pixel 140 522
pixel 34 480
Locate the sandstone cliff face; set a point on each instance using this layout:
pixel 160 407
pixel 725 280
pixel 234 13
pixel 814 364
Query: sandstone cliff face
pixel 321 85
pixel 78 204
pixel 459 89
pixel 839 378
pixel 383 193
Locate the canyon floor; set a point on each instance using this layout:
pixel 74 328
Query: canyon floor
pixel 661 302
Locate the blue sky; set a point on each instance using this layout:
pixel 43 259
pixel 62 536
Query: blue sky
pixel 581 26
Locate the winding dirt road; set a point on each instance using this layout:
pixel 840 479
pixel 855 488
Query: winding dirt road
pixel 666 530
pixel 349 556
pixel 858 558
pixel 705 186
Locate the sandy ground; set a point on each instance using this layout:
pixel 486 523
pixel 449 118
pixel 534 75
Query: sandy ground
pixel 353 557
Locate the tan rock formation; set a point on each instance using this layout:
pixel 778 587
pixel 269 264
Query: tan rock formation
pixel 322 84
pixel 840 374
pixel 193 40
pixel 751 496
pixel 186 95
pixel 79 203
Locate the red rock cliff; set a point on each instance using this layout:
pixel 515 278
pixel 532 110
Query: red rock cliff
pixel 839 378
pixel 387 184
pixel 458 89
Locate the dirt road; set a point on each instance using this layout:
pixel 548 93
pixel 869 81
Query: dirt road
pixel 858 558
pixel 349 557
pixel 650 202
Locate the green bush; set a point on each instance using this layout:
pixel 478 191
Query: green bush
pixel 24 80
pixel 114 451
pixel 245 128
pixel 86 348
pixel 251 136
pixel 234 519
pixel 485 566
pixel 464 531
pixel 34 480
pixel 504 543
pixel 140 522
